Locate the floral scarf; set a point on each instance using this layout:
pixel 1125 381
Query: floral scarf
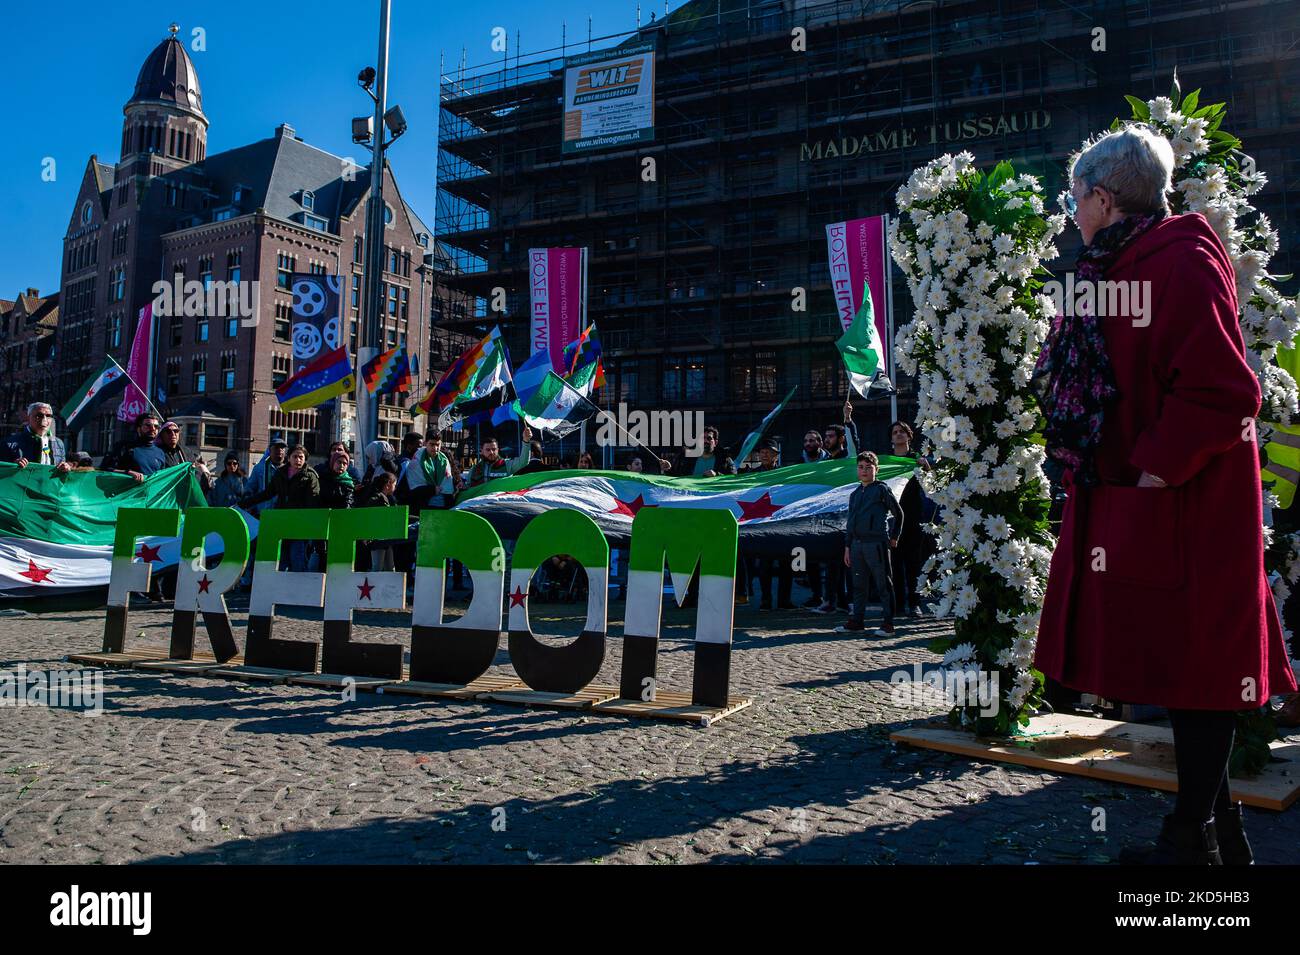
pixel 1073 377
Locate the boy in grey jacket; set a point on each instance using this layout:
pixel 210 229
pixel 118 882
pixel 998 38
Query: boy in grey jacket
pixel 868 537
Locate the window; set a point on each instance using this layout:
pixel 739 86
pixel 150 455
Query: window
pixel 827 377
pixel 283 322
pixel 694 373
pixel 232 326
pixel 279 370
pixel 192 435
pixel 200 374
pixel 315 222
pixel 672 379
pixel 388 215
pixel 228 371
pixel 240 193
pixel 234 267
pixel 406 304
pixel 221 215
pixel 216 436
pixel 114 337
pixel 106 433
pixel 356 292
pixel 176 330
pixel 393 293
pixel 765 374
pixel 172 195
pixel 173 379
pixel 358 249
pixel 205 271
pixel 308 200
pixel 316 268
pixel 284 265
pixel 119 238
pixel 201 328
pixel 117 284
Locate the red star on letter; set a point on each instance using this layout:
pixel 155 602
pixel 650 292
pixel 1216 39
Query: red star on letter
pixel 763 507
pixel 518 597
pixel 37 575
pixel 148 554
pixel 365 587
pixel 204 584
pixel 630 508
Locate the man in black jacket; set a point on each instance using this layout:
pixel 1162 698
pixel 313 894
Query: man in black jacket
pixel 174 453
pixel 34 444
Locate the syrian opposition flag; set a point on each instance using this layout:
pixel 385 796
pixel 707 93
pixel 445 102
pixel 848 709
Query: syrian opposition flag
pixel 803 505
pixel 757 434
pixel 556 406
pixel 56 531
pixel 864 358
pixel 489 394
pixel 108 381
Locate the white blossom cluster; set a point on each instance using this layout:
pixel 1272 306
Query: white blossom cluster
pixel 1269 320
pixel 971 286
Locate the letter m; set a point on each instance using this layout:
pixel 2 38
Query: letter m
pixel 685 539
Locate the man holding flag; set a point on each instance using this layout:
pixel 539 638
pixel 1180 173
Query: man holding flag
pixel 34 444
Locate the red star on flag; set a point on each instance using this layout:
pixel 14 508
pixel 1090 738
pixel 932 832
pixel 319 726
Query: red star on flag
pixel 90 391
pixel 630 508
pixel 204 584
pixel 365 587
pixel 37 575
pixel 518 597
pixel 763 507
pixel 520 493
pixel 148 554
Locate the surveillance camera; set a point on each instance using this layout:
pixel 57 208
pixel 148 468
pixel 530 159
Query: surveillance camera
pixel 362 128
pixel 366 77
pixel 395 121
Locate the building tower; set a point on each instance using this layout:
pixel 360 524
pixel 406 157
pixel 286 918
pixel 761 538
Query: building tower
pixel 164 127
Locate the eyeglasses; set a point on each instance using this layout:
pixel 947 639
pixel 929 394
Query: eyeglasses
pixel 42 414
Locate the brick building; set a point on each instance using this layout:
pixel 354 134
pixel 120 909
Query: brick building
pixel 27 329
pixel 170 210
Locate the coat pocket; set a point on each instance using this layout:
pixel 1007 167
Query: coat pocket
pixel 1141 532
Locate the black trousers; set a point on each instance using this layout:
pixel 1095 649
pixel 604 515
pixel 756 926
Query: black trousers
pixel 1202 747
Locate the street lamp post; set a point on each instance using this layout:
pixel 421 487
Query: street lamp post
pixel 365 130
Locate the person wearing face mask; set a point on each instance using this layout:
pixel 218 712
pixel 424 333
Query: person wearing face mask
pixel 1148 411
pixel 34 444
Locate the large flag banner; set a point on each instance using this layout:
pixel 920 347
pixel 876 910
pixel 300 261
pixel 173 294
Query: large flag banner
pixel 864 357
pixel 317 317
pixel 609 98
pixel 803 505
pixel 556 406
pixel 457 378
pixel 754 436
pixel 557 280
pixel 855 249
pixel 582 359
pixel 329 376
pixel 56 531
pixel 139 366
pixel 388 372
pixel 108 381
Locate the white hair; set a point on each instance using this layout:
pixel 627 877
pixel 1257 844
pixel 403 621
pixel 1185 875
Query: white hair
pixel 39 404
pixel 1134 163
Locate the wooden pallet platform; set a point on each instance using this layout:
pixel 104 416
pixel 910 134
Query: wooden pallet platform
pixel 337 681
pixel 251 674
pixel 583 699
pixel 186 666
pixel 672 705
pixel 1137 754
pixel 127 658
pixel 454 691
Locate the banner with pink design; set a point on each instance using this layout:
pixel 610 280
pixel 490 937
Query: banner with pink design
pixel 856 250
pixel 557 280
pixel 139 366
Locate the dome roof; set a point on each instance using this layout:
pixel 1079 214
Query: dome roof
pixel 168 75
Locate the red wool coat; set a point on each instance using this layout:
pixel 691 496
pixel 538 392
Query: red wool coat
pixel 1158 595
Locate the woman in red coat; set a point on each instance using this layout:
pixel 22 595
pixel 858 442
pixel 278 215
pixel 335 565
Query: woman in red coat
pixel 1157 592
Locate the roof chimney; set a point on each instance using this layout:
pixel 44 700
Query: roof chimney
pixel 284 130
pixel 33 293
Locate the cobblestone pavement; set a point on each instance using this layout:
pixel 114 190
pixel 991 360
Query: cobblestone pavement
pixel 200 770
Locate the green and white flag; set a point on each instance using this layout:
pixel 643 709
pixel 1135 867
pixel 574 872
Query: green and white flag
pixel 108 381
pixel 757 434
pixel 57 530
pixel 864 357
pixel 556 406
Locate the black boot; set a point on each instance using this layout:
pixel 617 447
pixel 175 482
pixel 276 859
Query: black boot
pixel 1233 845
pixel 1180 843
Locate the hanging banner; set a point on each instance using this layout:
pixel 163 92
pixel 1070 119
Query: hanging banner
pixel 317 317
pixel 855 249
pixel 139 366
pixel 557 280
pixel 609 98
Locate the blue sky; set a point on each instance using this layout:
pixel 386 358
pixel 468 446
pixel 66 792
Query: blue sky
pixel 70 68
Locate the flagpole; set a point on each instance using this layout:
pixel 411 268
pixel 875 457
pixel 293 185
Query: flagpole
pixel 889 320
pixel 127 375
pixel 610 418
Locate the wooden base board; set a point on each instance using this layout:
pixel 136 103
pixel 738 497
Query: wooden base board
pixel 1137 754
pixel 252 674
pixel 581 700
pixel 127 658
pixel 672 705
pixel 186 666
pixel 454 691
pixel 337 681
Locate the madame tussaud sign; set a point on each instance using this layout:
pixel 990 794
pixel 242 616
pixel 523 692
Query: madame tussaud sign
pixel 456 651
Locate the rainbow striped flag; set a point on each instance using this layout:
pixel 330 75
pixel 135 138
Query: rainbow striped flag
pixel 327 377
pixel 586 372
pixel 387 372
pixel 456 380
